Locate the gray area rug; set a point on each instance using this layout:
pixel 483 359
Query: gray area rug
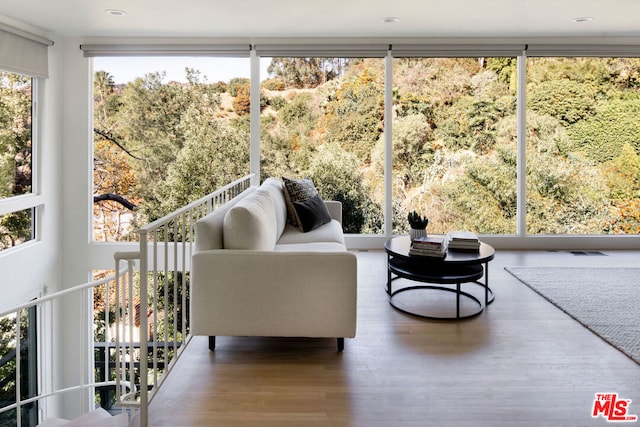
pixel 605 300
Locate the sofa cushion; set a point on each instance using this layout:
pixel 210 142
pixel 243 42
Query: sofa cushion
pixel 274 187
pixel 295 191
pixel 208 229
pixel 329 232
pixel 251 223
pixel 311 213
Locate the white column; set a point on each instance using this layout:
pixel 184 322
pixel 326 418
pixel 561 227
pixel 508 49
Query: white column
pixel 388 144
pixel 254 141
pixel 521 209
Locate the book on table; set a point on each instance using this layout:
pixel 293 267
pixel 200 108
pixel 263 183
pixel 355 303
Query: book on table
pixel 463 241
pixel 433 246
pixel 428 252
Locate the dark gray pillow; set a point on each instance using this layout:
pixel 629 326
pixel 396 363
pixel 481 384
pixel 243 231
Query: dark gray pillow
pixel 312 213
pixel 296 190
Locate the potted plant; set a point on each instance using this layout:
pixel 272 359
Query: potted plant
pixel 418 224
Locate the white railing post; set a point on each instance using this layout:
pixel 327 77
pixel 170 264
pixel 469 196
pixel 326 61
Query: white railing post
pixel 144 329
pixel 18 370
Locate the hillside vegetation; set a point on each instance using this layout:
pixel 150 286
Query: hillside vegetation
pixel 160 145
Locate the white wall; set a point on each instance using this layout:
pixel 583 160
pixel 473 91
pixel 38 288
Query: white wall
pixel 29 267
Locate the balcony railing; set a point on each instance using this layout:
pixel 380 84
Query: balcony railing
pixel 149 305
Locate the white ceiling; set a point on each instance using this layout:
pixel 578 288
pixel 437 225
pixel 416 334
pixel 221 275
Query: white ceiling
pixel 251 19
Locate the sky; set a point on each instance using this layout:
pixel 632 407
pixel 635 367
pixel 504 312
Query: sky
pixel 126 69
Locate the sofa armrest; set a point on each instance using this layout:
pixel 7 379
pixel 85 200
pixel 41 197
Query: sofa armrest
pixel 335 209
pixel 264 293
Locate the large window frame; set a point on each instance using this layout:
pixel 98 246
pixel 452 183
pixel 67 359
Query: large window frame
pixel 519 240
pixel 32 201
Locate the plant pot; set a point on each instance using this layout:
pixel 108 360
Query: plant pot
pixel 417 232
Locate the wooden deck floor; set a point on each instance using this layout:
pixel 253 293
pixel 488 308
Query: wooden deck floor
pixel 522 362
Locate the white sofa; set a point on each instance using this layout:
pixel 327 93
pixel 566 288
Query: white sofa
pixel 252 274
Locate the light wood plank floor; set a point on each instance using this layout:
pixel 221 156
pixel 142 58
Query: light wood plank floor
pixel 522 362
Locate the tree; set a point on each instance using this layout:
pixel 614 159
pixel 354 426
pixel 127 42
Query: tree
pixel 614 124
pixel 307 72
pixel 566 100
pixel 353 115
pixel 337 176
pixel 15 155
pixel 215 154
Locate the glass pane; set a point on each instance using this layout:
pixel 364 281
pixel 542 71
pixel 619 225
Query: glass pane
pixel 15 135
pixel 583 145
pixel 322 118
pixel 167 132
pixel 28 366
pixel 16 228
pixel 454 143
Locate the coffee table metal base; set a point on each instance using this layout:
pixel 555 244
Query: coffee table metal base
pixel 422 304
pixel 415 300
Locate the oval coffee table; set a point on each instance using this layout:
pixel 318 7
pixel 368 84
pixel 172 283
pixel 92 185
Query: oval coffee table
pixel 455 268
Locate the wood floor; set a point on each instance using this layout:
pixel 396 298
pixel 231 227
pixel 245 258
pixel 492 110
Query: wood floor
pixel 522 362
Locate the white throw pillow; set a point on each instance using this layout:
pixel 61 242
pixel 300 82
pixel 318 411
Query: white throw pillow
pixel 251 223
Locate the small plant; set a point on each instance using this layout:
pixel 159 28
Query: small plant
pixel 417 221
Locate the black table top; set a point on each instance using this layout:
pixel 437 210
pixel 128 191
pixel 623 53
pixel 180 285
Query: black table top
pixel 399 247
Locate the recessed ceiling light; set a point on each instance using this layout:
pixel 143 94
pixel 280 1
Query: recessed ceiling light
pixel 582 19
pixel 390 19
pixel 115 12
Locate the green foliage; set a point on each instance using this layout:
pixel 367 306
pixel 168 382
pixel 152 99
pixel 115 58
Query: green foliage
pixel 15 228
pixel 236 84
pixel 214 155
pixel 298 110
pixel 15 134
pixel 472 121
pixel 242 101
pixel 277 102
pixel 219 87
pixel 354 114
pixel 337 177
pixel 305 72
pixel 417 221
pixel 566 193
pixel 506 69
pixel 566 100
pixel 413 149
pixel 275 83
pixel 602 136
pixel 412 104
pixel 8 365
pixel 623 174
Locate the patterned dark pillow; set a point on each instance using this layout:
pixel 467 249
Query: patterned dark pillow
pixel 297 191
pixel 312 213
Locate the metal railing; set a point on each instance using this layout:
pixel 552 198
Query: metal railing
pixel 164 258
pixel 150 305
pixel 47 311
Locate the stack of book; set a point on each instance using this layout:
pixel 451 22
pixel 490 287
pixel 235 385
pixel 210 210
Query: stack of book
pixel 433 246
pixel 463 241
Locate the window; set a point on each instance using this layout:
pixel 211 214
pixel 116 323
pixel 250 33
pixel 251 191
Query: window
pixel 167 131
pixel 454 143
pixel 28 366
pixel 583 145
pixel 455 137
pixel 16 158
pixel 322 118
